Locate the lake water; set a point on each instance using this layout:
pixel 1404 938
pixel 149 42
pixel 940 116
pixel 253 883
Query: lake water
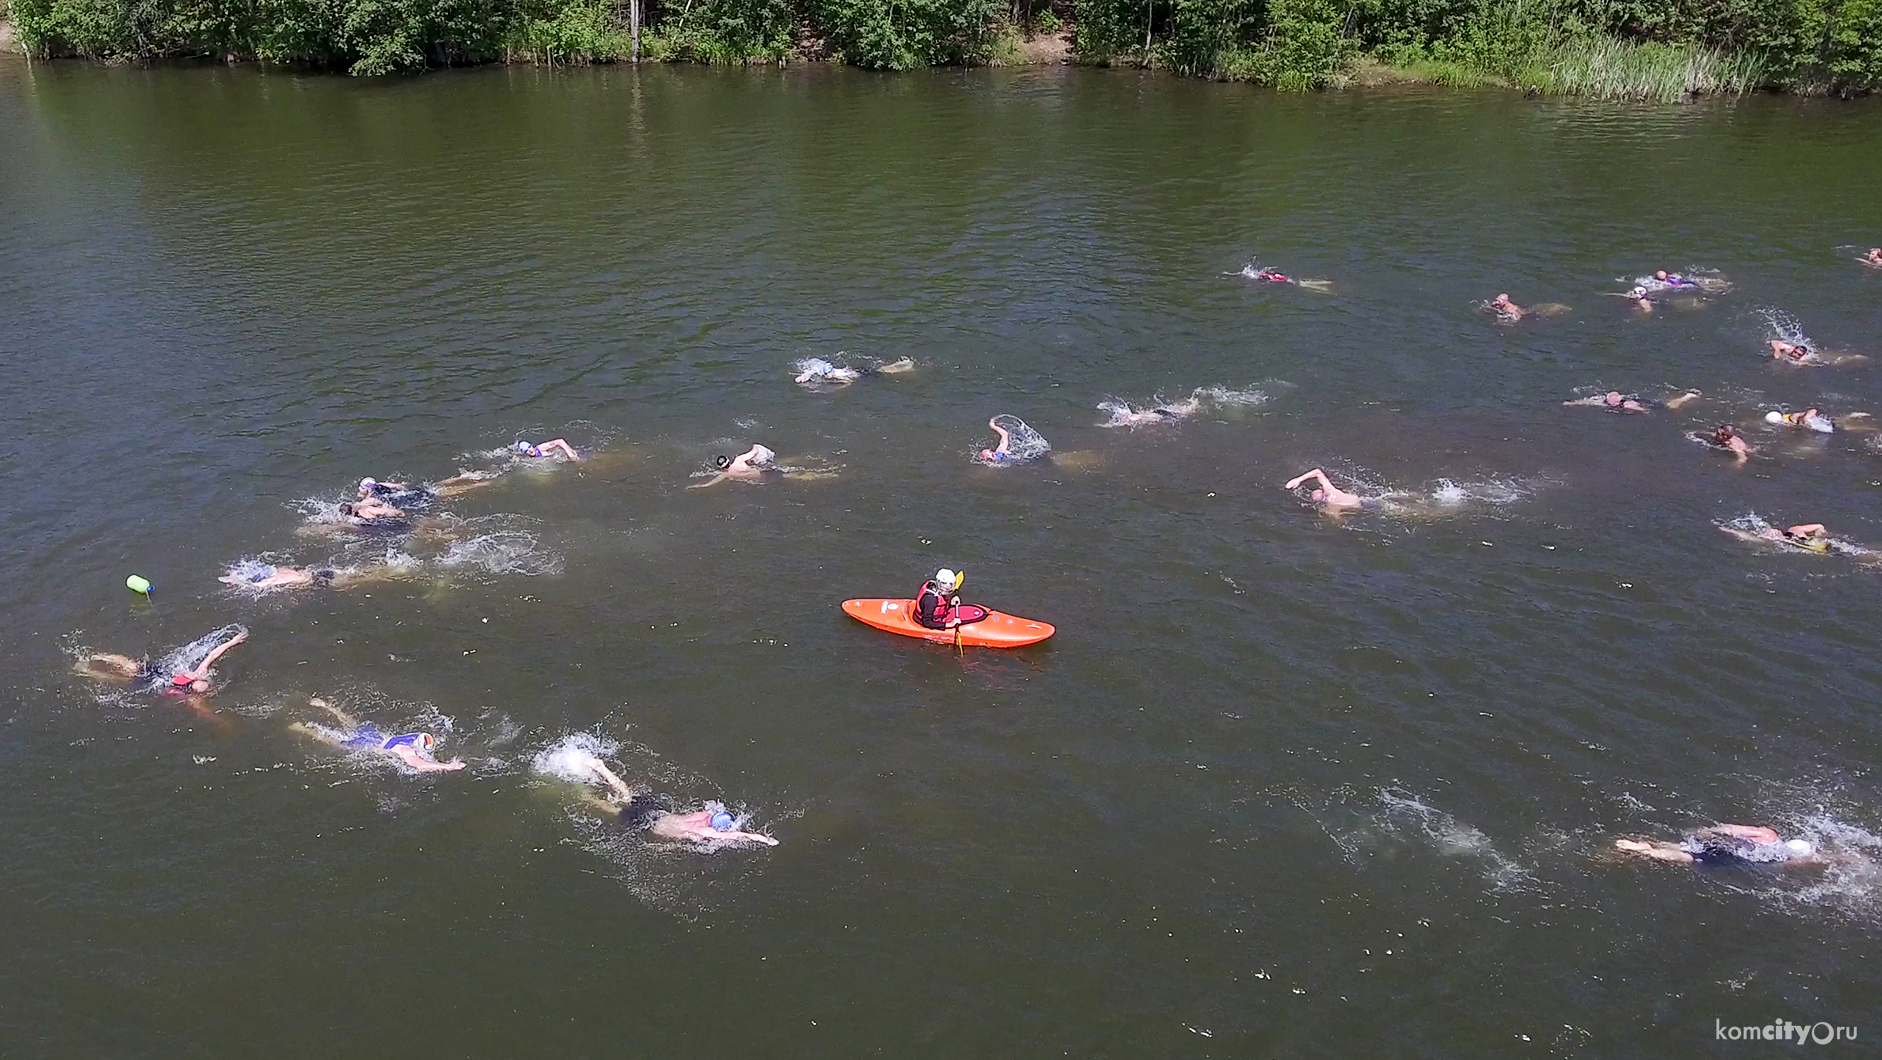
pixel 1280 786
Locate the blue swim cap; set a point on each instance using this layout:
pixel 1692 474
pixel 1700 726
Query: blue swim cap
pixel 524 447
pixel 722 822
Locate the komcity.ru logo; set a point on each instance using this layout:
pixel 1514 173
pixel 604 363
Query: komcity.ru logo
pixel 1784 1031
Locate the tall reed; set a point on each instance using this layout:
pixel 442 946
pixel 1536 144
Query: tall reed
pixel 1644 71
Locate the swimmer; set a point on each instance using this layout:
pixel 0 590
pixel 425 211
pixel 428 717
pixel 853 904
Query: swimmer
pixel 1726 438
pixel 412 748
pixel 938 603
pixel 404 495
pixel 1124 414
pixel 154 676
pixel 1811 419
pixel 749 466
pixel 1505 310
pixel 1793 352
pixel 1260 274
pixel 1019 443
pixel 1327 494
pixel 356 517
pixel 372 508
pixel 1801 353
pixel 1727 844
pixel 549 448
pixel 269 576
pixel 1810 537
pixel 1615 401
pixel 255 575
pixel 710 825
pixel 820 372
pixel 1873 259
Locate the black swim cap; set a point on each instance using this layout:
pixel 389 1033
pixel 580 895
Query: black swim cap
pixel 722 461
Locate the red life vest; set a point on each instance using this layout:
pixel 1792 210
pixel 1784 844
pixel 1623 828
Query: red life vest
pixel 932 607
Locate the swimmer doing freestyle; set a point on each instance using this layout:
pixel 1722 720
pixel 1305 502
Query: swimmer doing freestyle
pixel 269 576
pixel 404 495
pixel 154 676
pixel 1615 401
pixel 1812 419
pixel 1124 414
pixel 1726 438
pixel 1331 498
pixel 1873 259
pixel 412 748
pixel 749 466
pixel 818 372
pixel 1728 844
pixel 714 824
pixel 1019 443
pixel 554 447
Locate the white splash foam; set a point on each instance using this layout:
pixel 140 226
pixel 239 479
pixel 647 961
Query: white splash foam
pixel 570 757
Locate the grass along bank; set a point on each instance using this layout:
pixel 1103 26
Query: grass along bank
pixel 1654 50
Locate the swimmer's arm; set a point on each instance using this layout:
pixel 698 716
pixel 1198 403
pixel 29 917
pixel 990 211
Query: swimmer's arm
pixel 714 481
pixel 619 785
pixel 425 765
pixel 562 444
pixel 1743 831
pixel 1006 439
pixel 1316 473
pixel 751 837
pixel 1805 530
pixel 221 649
pixel 1682 399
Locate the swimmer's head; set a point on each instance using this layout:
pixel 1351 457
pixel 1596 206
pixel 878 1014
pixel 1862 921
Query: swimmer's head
pixel 1725 434
pixel 187 683
pixel 1660 275
pixel 986 455
pixel 1774 417
pixel 1613 398
pixel 722 822
pixel 1318 495
pixel 367 486
pixel 347 509
pixel 527 449
pixel 947 581
pixel 1638 293
pixel 1799 848
pixel 721 461
pixel 1502 299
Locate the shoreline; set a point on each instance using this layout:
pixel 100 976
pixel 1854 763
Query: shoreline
pixel 1358 70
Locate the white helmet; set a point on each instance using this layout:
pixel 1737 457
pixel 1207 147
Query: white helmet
pixel 946 580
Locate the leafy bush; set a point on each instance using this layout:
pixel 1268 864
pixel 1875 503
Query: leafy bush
pixel 903 34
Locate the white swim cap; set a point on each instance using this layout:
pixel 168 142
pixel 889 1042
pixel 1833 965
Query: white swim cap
pixel 1799 848
pixel 367 483
pixel 1774 417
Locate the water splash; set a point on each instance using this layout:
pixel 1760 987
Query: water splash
pixel 1024 443
pixel 568 758
pixel 1405 816
pixel 501 552
pixel 1781 325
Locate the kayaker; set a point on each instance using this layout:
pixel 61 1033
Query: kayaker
pixel 938 605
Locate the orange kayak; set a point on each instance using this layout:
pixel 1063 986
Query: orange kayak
pixel 995 631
